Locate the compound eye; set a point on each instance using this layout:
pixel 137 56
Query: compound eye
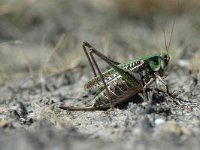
pixel 154 63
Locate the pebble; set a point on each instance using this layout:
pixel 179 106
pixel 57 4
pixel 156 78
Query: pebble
pixel 176 129
pixel 3 123
pixel 159 121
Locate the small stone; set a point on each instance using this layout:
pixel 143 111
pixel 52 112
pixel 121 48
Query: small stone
pixel 176 129
pixel 3 123
pixel 137 132
pixel 144 104
pixel 184 63
pixel 159 121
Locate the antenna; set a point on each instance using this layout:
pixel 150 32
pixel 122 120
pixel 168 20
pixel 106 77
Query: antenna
pixel 166 48
pixel 170 40
pixel 173 25
pixel 171 33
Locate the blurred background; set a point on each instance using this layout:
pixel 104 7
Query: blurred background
pixel 39 37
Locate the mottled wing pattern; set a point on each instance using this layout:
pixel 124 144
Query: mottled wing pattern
pixel 112 76
pixel 97 82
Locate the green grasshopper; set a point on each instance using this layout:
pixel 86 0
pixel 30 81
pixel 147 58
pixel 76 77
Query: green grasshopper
pixel 123 80
pixel 126 79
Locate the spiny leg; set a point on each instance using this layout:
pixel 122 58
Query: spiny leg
pixel 129 78
pixel 71 108
pixel 147 86
pixel 91 52
pixel 89 59
pixel 85 44
pixel 162 81
pixel 166 86
pixel 158 78
pixel 175 98
pixel 152 80
pixel 93 65
pixel 125 75
pixel 103 80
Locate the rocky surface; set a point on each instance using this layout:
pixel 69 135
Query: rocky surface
pixel 29 113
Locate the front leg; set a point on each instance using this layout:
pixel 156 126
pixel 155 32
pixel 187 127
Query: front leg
pixel 166 86
pixel 146 86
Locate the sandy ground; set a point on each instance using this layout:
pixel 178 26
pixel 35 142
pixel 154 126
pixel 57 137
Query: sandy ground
pixel 43 66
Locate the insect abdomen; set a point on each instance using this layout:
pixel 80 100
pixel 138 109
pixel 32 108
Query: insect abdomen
pixel 119 92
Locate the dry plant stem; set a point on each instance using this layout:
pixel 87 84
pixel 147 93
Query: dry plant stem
pixel 29 64
pixel 56 48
